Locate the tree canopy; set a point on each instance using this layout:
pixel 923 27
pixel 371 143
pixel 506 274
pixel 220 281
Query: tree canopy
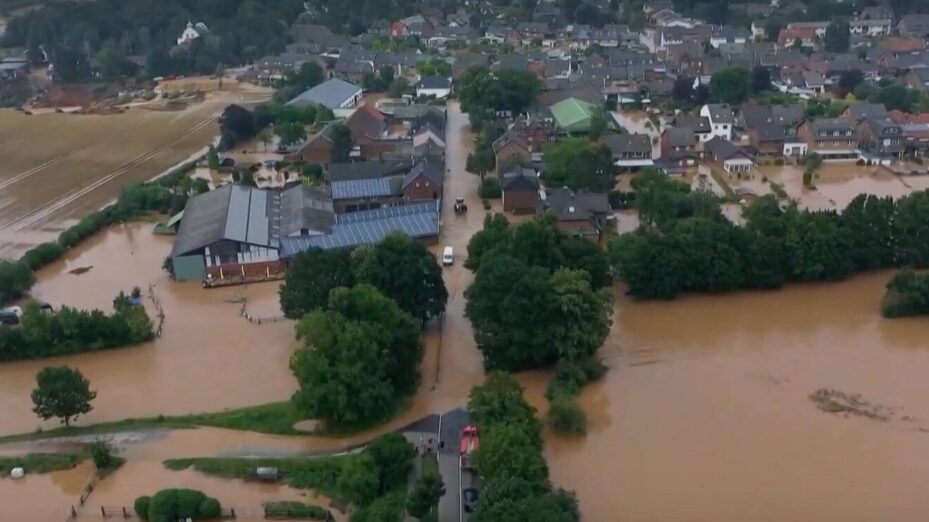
pixel 730 86
pixel 310 278
pixel 579 164
pixel 61 392
pixel 837 37
pixel 481 90
pixel 361 356
pixel 403 270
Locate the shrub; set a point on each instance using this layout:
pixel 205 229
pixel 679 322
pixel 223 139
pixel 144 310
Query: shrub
pixel 102 453
pixel 490 188
pixel 141 506
pixel 566 417
pixel 210 508
pixel 15 280
pixel 42 255
pixel 860 163
pixel 296 510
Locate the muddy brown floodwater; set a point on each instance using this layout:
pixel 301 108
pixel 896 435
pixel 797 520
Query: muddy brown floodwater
pixel 705 414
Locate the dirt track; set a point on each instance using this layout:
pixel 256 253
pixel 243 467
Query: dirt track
pixel 59 167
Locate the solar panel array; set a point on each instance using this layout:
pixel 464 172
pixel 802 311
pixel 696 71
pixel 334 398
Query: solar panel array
pixel 386 212
pixel 347 235
pixel 360 188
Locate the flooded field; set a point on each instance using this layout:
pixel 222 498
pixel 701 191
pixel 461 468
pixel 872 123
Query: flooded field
pixel 705 414
pixel 59 167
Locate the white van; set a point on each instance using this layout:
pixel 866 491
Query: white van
pixel 448 256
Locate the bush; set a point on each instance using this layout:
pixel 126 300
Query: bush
pixel 490 188
pixel 141 507
pixel 566 417
pixel 102 453
pixel 907 294
pixel 296 510
pixel 210 508
pixel 42 255
pixel 15 280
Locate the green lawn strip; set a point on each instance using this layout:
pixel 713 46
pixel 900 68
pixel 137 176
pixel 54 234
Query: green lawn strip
pixel 293 510
pixel 316 473
pixel 40 462
pixel 430 465
pixel 276 418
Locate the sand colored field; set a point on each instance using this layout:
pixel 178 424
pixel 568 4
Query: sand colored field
pixel 59 167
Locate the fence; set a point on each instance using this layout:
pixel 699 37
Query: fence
pixel 257 320
pixel 158 308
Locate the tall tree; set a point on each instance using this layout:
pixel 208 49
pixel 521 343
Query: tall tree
pixel 310 279
pixel 579 164
pixel 403 270
pixel 61 392
pixel 730 85
pixel 341 143
pixel 761 79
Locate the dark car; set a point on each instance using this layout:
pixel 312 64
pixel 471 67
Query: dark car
pixel 8 318
pixel 469 499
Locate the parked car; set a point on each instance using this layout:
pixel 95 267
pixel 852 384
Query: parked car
pixel 8 318
pixel 448 256
pixel 469 499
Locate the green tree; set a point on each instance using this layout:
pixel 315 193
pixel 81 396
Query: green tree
pixel 392 456
pixel 311 277
pixel 837 37
pixel 849 81
pixel 730 86
pixel 434 67
pixel 103 454
pixel 495 233
pixel 583 314
pixel 499 400
pixel 290 133
pixel 424 498
pixel 598 125
pixel 481 161
pixel 761 80
pixel 403 270
pixel 579 164
pixel 398 87
pixel 265 136
pixel 566 417
pixel 341 143
pixel 15 280
pixel 508 451
pixel 358 481
pixel 658 198
pixel 212 157
pixel 308 76
pixel 61 392
pixel 911 227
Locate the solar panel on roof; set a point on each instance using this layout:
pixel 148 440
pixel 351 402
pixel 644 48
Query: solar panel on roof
pixel 360 188
pixel 344 235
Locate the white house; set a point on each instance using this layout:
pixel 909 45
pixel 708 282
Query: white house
pixel 721 120
pixel 191 33
pixel 437 86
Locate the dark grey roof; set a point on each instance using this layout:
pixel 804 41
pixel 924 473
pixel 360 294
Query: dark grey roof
pixel 364 170
pixel 720 113
pixel 722 149
pixel 833 124
pixel 698 124
pixel 434 82
pixel 680 136
pixel 572 206
pixel 862 110
pixel 418 220
pixel 305 208
pixel 620 143
pixel 330 94
pixel 430 170
pixel 520 179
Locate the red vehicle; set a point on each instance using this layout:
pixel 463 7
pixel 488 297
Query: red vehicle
pixel 469 443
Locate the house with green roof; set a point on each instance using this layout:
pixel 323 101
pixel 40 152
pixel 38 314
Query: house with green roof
pixel 573 115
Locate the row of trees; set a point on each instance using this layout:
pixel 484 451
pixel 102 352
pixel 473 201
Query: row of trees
pixel 75 33
pixel 68 330
pixel 375 481
pixel 515 482
pixel 686 245
pixel 907 294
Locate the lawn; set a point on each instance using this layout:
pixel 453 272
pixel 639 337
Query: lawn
pixel 40 462
pixel 276 418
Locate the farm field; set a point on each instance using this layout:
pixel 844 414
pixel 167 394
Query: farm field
pixel 59 167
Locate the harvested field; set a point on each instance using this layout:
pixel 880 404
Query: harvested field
pixel 59 167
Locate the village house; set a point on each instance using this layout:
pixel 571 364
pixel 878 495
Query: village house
pixel 879 138
pixel 581 214
pixel 415 25
pixel 871 28
pixel 721 120
pixel 773 130
pixel 727 155
pixel 511 149
pixel 917 79
pixel 316 149
pixel 914 25
pixel 520 188
pixel 630 151
pixel 831 138
pixel 699 125
pixel 573 115
pixel 423 182
pixel 438 87
pixel 679 146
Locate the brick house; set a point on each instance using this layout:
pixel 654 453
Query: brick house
pixel 511 149
pixel 424 181
pixel 520 188
pixel 679 145
pixel 831 138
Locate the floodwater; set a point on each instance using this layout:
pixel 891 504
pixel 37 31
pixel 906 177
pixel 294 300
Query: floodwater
pixel 704 415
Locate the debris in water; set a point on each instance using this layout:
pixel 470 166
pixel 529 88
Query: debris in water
pixel 81 270
pixel 835 401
